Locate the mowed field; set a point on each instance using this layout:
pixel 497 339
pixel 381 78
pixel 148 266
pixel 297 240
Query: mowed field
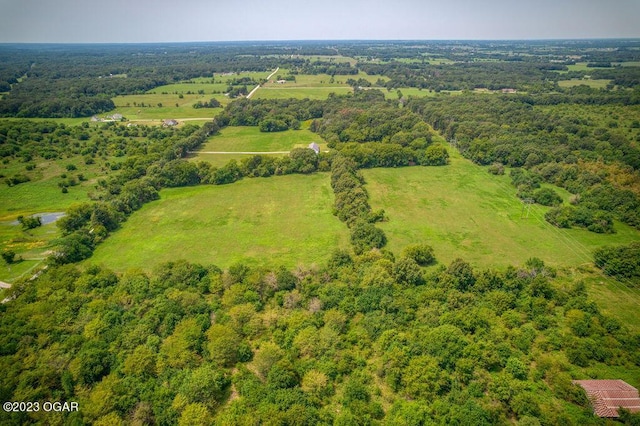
pixel 463 211
pixel 251 139
pixel 176 100
pixel 282 220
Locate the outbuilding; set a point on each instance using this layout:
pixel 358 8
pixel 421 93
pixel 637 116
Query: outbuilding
pixel 607 396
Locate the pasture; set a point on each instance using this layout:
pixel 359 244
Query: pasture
pixel 251 139
pixel 282 220
pixel 596 84
pixel 463 211
pixel 176 100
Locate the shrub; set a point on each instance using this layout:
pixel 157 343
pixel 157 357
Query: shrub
pixel 421 253
pixel 547 197
pixel 496 169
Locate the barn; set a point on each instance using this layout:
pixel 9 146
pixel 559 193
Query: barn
pixel 607 396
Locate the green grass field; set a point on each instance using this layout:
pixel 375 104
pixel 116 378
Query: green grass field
pixel 463 211
pixel 299 92
pixel 251 139
pixel 283 220
pixel 596 84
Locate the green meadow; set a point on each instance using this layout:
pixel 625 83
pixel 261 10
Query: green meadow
pixel 596 84
pixel 272 92
pixel 251 139
pixel 164 106
pixel 463 211
pixel 282 220
pixel 177 100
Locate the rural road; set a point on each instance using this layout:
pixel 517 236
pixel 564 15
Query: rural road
pixel 4 285
pixel 258 86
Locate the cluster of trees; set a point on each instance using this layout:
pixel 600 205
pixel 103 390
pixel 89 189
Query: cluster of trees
pixel 597 163
pixel 364 339
pixel 466 76
pixel 251 112
pixel 595 220
pixel 351 205
pixel 212 103
pixel 299 160
pixel 622 262
pixel 325 67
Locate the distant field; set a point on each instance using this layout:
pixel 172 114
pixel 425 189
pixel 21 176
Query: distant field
pixel 282 220
pixel 463 211
pixel 130 106
pixel 299 92
pixel 250 139
pixel 173 105
pixel 596 84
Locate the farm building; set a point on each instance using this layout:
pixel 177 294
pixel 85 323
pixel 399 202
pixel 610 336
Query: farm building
pixel 281 81
pixel 170 123
pixel 607 396
pixel 314 146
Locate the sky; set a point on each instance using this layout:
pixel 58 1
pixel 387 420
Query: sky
pixel 141 21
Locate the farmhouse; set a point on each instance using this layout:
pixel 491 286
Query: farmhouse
pixel 314 146
pixel 116 117
pixel 607 396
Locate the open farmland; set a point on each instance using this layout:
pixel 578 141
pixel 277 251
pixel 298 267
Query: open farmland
pixel 463 211
pixel 283 220
pixel 176 100
pixel 232 140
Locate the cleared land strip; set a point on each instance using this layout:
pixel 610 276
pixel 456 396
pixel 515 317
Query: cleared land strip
pixel 258 86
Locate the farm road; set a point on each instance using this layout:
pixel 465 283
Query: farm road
pixel 258 86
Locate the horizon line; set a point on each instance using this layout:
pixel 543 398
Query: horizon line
pixel 637 38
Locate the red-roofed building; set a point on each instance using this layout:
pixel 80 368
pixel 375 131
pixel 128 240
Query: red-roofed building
pixel 608 395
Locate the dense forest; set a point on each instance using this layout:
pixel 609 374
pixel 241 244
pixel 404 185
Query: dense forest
pixel 363 340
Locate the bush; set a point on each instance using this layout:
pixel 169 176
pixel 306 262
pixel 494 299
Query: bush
pixel 9 257
pixel 621 262
pixel 421 253
pixel 547 197
pixel 496 169
pixel 365 236
pixel 29 222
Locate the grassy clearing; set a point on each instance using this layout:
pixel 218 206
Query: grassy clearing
pixel 129 106
pixel 252 139
pixel 177 99
pixel 283 220
pixel 299 92
pixel 596 84
pixel 462 211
